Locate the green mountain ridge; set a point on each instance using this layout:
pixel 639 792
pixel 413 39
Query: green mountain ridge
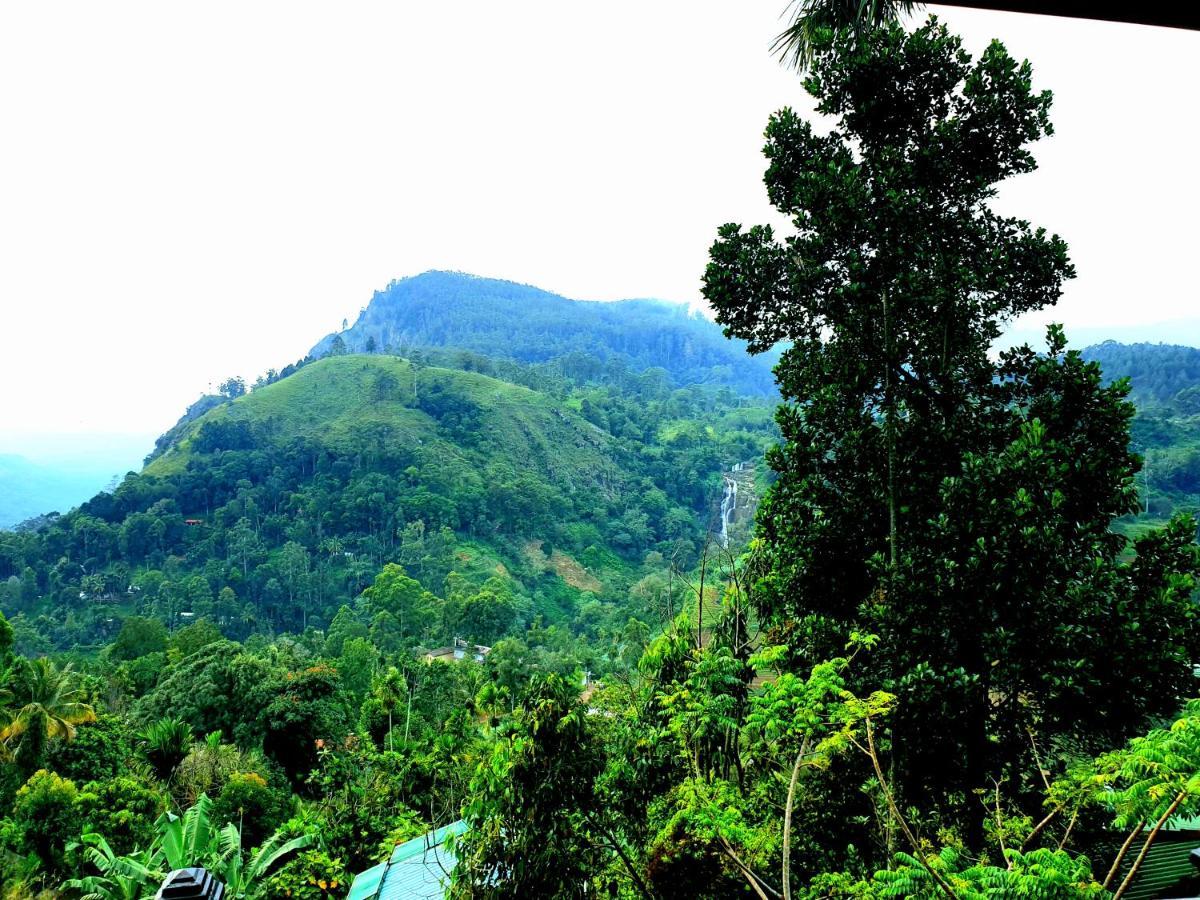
pixel 524 323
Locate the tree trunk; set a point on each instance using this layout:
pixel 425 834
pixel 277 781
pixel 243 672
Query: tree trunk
pixel 787 823
pixel 1141 857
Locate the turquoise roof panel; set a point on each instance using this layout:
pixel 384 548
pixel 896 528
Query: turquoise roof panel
pixel 417 870
pixel 366 884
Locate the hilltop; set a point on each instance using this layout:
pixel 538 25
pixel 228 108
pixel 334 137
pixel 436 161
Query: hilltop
pixel 1157 373
pixel 508 320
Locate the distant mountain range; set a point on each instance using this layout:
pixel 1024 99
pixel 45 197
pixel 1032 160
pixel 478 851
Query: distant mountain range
pixel 515 321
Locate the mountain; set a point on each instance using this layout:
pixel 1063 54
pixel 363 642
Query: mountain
pixel 561 500
pixel 1157 373
pixel 508 320
pixel 42 473
pixel 29 488
pixel 1165 386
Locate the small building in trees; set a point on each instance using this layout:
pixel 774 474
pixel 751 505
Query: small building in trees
pixel 459 650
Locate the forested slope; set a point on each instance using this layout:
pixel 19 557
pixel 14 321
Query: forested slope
pixel 1165 384
pixel 504 319
pixel 269 512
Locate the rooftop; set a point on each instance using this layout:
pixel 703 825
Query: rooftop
pixel 417 870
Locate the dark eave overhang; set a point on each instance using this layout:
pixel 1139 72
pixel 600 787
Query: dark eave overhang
pixel 1180 14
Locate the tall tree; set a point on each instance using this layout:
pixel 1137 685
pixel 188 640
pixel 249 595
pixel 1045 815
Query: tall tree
pixel 531 800
pixel 957 506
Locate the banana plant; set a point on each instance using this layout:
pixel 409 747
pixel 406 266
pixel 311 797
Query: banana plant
pixel 242 878
pixel 121 877
pixel 191 840
pixel 182 842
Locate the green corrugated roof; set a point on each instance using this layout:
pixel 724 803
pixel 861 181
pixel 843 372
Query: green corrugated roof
pixel 417 870
pixel 1166 864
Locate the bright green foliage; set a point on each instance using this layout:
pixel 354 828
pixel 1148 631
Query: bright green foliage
pixel 45 816
pixel 531 797
pixel 368 797
pixel 120 877
pixel 357 666
pixel 182 842
pixel 956 506
pixel 123 809
pixel 1040 875
pixel 401 597
pixel 345 624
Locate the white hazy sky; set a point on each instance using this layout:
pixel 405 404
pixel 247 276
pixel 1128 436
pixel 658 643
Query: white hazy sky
pixel 189 191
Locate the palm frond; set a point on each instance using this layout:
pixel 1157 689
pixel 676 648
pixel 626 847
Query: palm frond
pixel 794 45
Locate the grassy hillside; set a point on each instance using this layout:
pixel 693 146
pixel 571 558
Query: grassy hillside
pixel 347 403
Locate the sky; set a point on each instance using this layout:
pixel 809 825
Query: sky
pixel 191 191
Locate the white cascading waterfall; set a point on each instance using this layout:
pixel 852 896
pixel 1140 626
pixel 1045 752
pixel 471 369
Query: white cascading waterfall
pixel 728 506
pixel 729 501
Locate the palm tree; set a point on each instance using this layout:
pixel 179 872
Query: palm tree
pixel 165 743
pixel 390 691
pixel 794 43
pixel 40 703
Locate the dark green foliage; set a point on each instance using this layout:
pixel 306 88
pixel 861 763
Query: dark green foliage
pixel 164 744
pixel 192 637
pixel 958 508
pixel 503 319
pixel 256 807
pixel 218 688
pixel 138 637
pixel 309 710
pixel 1157 373
pixel 100 750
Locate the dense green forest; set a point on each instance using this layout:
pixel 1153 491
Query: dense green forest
pixel 503 319
pixel 942 664
pixel 1164 382
pixel 270 512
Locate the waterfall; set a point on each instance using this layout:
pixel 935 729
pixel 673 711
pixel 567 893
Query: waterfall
pixel 729 499
pixel 728 505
